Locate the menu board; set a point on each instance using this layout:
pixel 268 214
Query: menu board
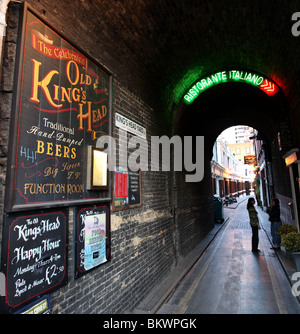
pixel 34 254
pixel 63 106
pixel 127 188
pixel 92 231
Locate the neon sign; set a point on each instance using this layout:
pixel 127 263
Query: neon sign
pixel 266 85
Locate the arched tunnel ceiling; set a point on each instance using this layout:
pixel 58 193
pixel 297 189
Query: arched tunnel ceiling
pixel 228 104
pixel 168 41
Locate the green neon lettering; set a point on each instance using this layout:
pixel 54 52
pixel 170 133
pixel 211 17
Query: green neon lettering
pixel 224 76
pixel 233 74
pixel 219 77
pixel 248 77
pixel 188 98
pixel 214 78
pixel 194 88
pixel 199 85
pixel 192 91
pixel 254 78
pixel 204 83
pixel 259 81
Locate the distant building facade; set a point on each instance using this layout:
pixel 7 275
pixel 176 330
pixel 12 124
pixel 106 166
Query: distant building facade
pixel 240 150
pixel 230 176
pixel 243 133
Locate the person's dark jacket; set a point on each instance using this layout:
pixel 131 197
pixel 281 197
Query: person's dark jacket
pixel 274 213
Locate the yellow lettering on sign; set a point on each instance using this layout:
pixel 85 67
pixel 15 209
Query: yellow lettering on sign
pixel 43 84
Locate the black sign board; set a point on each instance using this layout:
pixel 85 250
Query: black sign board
pixel 92 237
pixel 134 188
pixel 127 189
pixel 34 254
pixel 62 105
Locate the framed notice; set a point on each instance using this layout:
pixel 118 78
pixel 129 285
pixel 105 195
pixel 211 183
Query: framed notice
pixel 92 234
pixel 61 106
pixel 40 306
pixel 97 170
pixel 127 189
pixel 34 254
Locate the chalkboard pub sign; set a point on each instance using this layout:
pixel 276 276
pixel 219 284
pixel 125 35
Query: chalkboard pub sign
pixel 35 260
pixel 62 106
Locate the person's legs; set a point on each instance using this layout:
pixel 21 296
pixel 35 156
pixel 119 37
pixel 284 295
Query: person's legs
pixel 273 233
pixel 254 238
pixel 276 237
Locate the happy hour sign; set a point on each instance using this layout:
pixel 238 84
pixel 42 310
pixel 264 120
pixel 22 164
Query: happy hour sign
pixel 34 255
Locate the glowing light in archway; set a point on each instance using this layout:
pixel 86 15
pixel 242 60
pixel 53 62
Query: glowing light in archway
pixel 261 82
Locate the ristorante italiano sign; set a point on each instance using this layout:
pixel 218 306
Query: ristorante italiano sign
pixel 261 82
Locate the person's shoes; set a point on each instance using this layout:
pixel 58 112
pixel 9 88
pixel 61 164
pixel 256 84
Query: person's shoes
pixel 255 250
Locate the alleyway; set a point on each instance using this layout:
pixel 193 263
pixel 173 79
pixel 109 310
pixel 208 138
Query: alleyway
pixel 109 115
pixel 229 278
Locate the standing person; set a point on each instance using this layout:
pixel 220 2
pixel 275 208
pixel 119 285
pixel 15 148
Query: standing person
pixel 254 223
pixel 274 213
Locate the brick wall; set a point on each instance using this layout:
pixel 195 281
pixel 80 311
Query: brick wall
pixel 6 95
pixel 194 210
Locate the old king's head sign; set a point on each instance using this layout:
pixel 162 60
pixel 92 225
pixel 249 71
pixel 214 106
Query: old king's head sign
pixel 62 104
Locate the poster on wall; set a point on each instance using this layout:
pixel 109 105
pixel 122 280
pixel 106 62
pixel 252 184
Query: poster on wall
pixel 127 188
pixel 62 106
pixel 34 254
pixel 92 238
